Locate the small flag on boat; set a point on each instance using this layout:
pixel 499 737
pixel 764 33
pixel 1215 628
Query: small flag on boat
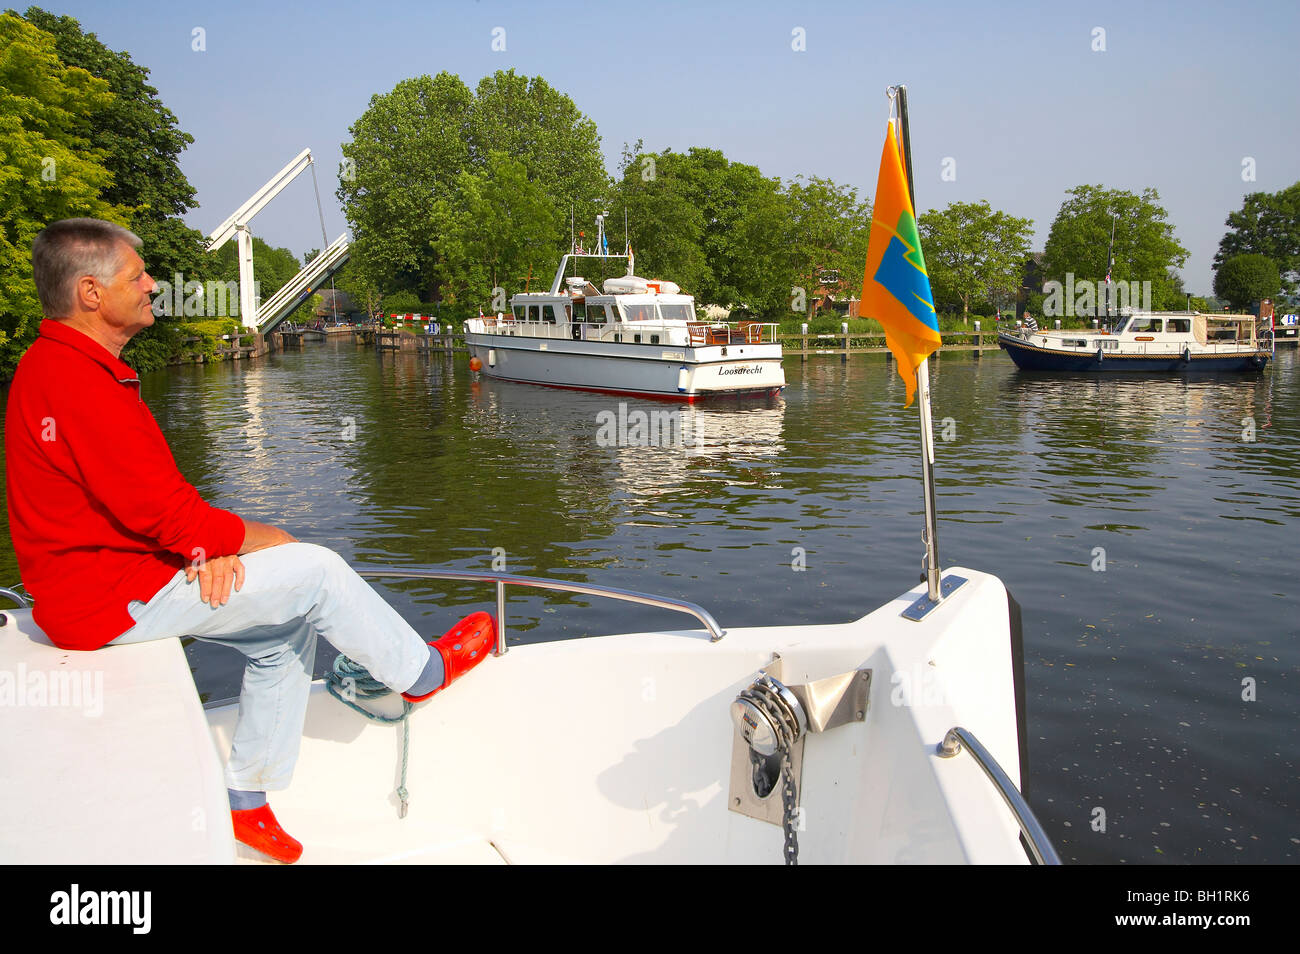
pixel 896 287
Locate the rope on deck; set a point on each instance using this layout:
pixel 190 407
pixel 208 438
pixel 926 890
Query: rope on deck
pixel 350 681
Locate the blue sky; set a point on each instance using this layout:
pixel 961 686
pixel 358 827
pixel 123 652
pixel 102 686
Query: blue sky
pixel 1015 94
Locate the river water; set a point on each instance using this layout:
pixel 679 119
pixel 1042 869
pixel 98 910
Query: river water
pixel 1146 525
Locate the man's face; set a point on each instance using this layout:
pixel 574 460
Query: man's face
pixel 125 304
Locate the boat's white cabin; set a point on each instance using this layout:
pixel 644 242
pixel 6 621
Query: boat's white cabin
pixel 1158 332
pixel 630 310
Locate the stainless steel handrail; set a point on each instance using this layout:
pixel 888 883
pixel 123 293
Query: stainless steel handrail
pixel 14 595
pixel 1035 836
pixel 502 580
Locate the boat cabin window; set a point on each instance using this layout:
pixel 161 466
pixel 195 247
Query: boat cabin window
pixel 520 313
pixel 1144 323
pixel 677 312
pixel 1178 326
pixel 532 312
pixel 643 312
pixel 548 314
pixel 577 311
pixel 598 314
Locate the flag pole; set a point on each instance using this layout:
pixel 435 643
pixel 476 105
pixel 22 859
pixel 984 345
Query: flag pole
pixel 932 571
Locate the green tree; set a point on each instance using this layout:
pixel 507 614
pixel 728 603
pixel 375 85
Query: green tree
pixel 973 252
pixel 530 121
pixel 504 223
pixel 1242 280
pixel 423 153
pixel 715 227
pixel 827 231
pixel 49 169
pixel 399 177
pixel 1267 224
pixel 1145 246
pixel 665 225
pixel 142 143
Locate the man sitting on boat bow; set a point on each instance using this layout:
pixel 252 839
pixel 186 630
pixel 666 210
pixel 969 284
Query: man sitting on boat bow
pixel 117 547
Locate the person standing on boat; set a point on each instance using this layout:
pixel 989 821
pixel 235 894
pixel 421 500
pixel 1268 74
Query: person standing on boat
pixel 117 547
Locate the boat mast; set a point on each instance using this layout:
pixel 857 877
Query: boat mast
pixel 932 572
pixel 1110 264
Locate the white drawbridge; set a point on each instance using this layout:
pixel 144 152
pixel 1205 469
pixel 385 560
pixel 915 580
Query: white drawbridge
pixel 265 316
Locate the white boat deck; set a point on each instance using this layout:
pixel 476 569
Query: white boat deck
pixel 607 750
pixel 106 755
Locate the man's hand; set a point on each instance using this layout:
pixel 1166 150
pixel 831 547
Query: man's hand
pixel 259 536
pixel 216 576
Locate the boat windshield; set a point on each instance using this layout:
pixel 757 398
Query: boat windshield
pixel 1144 323
pixel 596 312
pixel 639 312
pixel 676 312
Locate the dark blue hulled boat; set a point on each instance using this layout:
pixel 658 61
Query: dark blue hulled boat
pixel 1149 342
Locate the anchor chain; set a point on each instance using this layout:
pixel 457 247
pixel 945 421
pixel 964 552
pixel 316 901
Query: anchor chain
pixel 789 795
pixel 789 790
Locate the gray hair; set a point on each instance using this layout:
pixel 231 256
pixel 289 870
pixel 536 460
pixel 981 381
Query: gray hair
pixel 65 251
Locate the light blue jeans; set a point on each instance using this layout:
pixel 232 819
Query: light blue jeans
pixel 291 594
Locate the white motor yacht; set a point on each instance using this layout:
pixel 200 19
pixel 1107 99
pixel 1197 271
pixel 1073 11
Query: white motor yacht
pixel 631 336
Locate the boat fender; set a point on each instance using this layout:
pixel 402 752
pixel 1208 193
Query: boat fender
pixel 492 357
pixel 1101 356
pixel 1187 354
pixel 683 379
pixel 475 364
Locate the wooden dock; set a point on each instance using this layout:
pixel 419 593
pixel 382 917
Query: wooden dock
pixel 844 345
pixel 232 348
pixel 391 340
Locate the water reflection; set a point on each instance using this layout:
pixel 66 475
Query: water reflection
pixel 1134 672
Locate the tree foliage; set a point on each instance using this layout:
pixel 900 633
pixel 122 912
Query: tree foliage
pixel 973 252
pixel 450 192
pixel 503 223
pixel 1267 224
pixel 827 231
pixel 142 143
pixel 1145 246
pixel 84 134
pixel 49 167
pixel 1243 280
pixel 731 236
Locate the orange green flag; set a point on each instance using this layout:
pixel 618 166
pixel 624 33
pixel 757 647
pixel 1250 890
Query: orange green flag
pixel 896 288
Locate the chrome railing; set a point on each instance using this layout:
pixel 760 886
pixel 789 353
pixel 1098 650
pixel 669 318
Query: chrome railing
pixel 13 594
pixel 1035 836
pixel 502 580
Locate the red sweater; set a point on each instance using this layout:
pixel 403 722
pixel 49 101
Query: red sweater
pixel 98 512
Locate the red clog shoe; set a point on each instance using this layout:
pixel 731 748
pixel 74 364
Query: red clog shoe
pixel 257 828
pixel 464 646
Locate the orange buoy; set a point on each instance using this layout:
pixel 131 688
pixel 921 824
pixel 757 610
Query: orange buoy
pixel 475 364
